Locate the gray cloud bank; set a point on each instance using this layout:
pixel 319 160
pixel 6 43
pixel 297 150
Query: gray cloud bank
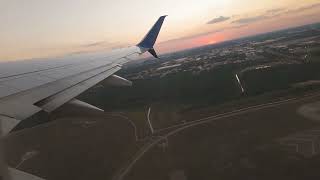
pixel 218 20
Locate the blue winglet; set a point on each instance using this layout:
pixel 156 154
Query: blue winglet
pixel 149 40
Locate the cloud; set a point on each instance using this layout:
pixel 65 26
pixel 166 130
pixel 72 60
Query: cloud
pixel 271 13
pixel 237 27
pixel 248 20
pixel 240 22
pixel 192 36
pixel 275 11
pixel 204 34
pixel 218 20
pixel 245 21
pixel 103 44
pixel 94 44
pixel 97 44
pixel 303 8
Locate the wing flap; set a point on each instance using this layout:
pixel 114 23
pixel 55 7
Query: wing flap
pixel 53 102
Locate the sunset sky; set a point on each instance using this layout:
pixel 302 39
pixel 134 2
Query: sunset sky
pixel 47 28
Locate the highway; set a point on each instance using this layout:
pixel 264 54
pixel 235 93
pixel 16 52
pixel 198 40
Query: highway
pixel 178 128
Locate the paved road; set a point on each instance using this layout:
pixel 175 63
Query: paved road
pixel 126 169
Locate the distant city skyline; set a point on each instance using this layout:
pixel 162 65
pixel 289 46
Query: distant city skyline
pixel 44 28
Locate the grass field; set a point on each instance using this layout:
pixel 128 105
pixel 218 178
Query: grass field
pixel 240 147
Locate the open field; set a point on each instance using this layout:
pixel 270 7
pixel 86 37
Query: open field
pixel 240 146
pixel 74 148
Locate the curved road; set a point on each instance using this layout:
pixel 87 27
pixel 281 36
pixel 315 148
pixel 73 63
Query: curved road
pixel 126 169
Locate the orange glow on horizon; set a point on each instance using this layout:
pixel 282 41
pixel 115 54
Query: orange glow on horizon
pixel 192 42
pixel 210 39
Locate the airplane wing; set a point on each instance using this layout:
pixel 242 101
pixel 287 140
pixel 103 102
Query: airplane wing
pixel 35 88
